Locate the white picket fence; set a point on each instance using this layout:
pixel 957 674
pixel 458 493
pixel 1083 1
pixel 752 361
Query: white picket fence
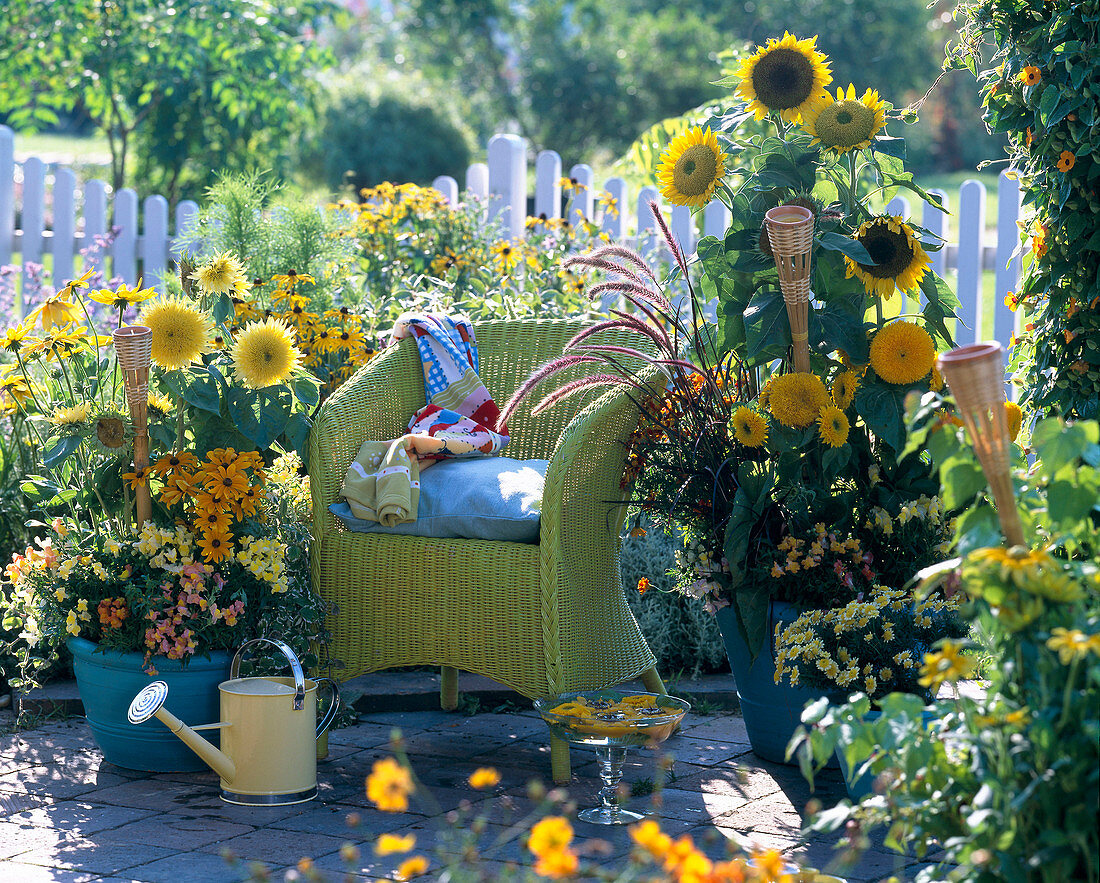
pixel 502 183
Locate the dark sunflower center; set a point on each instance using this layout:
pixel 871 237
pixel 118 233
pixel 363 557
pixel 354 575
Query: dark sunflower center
pixel 227 481
pixel 111 432
pixel 844 117
pixel 783 78
pixel 891 252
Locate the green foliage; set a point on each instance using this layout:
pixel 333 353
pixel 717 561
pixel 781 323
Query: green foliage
pixel 370 131
pixel 1052 127
pixel 177 82
pixel 1006 780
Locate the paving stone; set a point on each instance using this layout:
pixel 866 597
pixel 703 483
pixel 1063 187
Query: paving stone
pixel 721 728
pixel 15 840
pixel 707 752
pixel 433 743
pixel 59 781
pixel 19 872
pixel 12 802
pixel 507 727
pixel 88 854
pixel 409 722
pixel 190 867
pixel 332 820
pixel 77 817
pixel 363 735
pixel 172 832
pixel 273 847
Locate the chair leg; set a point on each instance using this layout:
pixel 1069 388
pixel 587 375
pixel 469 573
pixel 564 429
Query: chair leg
pixel 448 688
pixel 652 681
pixel 559 761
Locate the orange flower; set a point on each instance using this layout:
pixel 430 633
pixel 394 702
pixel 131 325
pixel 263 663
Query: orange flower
pixel 1039 240
pixel 138 478
pixel 484 777
pixel 551 834
pixel 225 482
pixel 1066 161
pixel 389 786
pixel 643 586
pixel 412 867
pixel 1030 75
pixel 390 844
pixel 179 462
pixel 555 865
pixel 216 546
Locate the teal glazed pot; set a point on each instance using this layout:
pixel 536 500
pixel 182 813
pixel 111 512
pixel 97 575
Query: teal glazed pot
pixel 772 712
pixel 108 681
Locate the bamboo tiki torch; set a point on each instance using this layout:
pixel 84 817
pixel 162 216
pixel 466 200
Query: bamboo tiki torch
pixel 134 345
pixel 976 376
pixel 791 236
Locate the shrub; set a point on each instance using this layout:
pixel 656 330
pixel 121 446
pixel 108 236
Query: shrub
pixel 1038 88
pixel 398 131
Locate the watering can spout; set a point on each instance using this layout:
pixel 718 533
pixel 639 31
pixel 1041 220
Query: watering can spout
pixel 150 703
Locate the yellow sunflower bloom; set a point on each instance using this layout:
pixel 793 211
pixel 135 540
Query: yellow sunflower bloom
pixel 749 427
pixel 70 420
pixel 111 431
pixel 844 388
pixel 849 123
pixel 899 259
pixel 787 77
pixel 902 353
pixel 222 274
pixel 796 399
pixel 264 354
pixel 691 168
pixel 181 332
pixel 833 426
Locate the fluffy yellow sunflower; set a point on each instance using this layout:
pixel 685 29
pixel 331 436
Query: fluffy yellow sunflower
pixel 849 123
pixel 181 332
pixel 691 168
pixel 222 274
pixel 70 421
pixel 1015 418
pixel 902 352
pixel 796 399
pixel 159 407
pixel 264 353
pixel 833 426
pixel 749 427
pixel 787 76
pixel 899 260
pixel 844 388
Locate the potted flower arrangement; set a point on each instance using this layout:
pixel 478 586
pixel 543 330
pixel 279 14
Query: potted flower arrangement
pixel 221 553
pixel 782 421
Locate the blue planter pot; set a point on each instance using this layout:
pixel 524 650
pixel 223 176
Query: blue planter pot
pixel 772 711
pixel 863 786
pixel 108 682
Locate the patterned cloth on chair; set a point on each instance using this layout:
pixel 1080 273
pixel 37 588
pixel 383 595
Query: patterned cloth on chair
pixel 383 481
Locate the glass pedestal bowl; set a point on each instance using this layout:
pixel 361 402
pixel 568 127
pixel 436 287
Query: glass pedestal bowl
pixel 611 721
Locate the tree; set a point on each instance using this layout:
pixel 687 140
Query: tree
pixel 193 85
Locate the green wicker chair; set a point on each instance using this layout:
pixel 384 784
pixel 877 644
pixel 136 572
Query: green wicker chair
pixel 541 619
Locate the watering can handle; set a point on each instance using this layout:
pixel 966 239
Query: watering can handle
pixel 295 666
pixel 333 707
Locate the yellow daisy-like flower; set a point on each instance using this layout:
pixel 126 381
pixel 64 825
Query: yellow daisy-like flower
pixel 946 665
pixel 123 297
pixel 551 834
pixel 899 259
pixel 844 388
pixel 389 785
pixel 16 337
pixel 222 274
pixel 392 844
pixel 691 168
pixel 796 399
pixel 264 353
pixel 56 310
pixel 484 777
pixel 749 427
pixel 1015 419
pixel 216 546
pixel 181 332
pixel 849 123
pixel 787 77
pixel 833 426
pixel 506 256
pixel 902 352
pixel 1071 644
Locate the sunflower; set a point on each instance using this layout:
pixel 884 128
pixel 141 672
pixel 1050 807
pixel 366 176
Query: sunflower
pixel 181 332
pixel 159 407
pixel 264 353
pixel 833 426
pixel 849 123
pixel 796 399
pixel 691 168
pixel 787 76
pixel 844 388
pixel 899 260
pixel 749 427
pixel 902 352
pixel 110 432
pixel 222 274
pixel 70 421
pixel 1015 419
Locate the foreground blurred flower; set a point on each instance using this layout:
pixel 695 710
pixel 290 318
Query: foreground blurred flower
pixel 264 353
pixel 946 665
pixel 391 844
pixel 484 777
pixel 691 168
pixel 899 261
pixel 412 867
pixel 389 785
pixel 849 123
pixel 787 76
pixel 181 332
pixel 1014 417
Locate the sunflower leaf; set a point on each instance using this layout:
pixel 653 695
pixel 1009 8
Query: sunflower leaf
pixel 890 147
pixel 767 329
pixel 202 393
pixel 882 407
pixel 940 307
pixel 60 452
pixel 847 246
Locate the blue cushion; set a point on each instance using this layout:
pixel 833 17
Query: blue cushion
pixel 476 498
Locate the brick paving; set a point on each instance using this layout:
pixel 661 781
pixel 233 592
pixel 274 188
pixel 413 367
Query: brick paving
pixel 68 815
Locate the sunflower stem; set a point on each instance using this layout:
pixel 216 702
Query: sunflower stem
pixel 179 425
pixel 853 177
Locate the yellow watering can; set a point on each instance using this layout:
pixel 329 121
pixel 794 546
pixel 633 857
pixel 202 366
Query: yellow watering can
pixel 269 731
